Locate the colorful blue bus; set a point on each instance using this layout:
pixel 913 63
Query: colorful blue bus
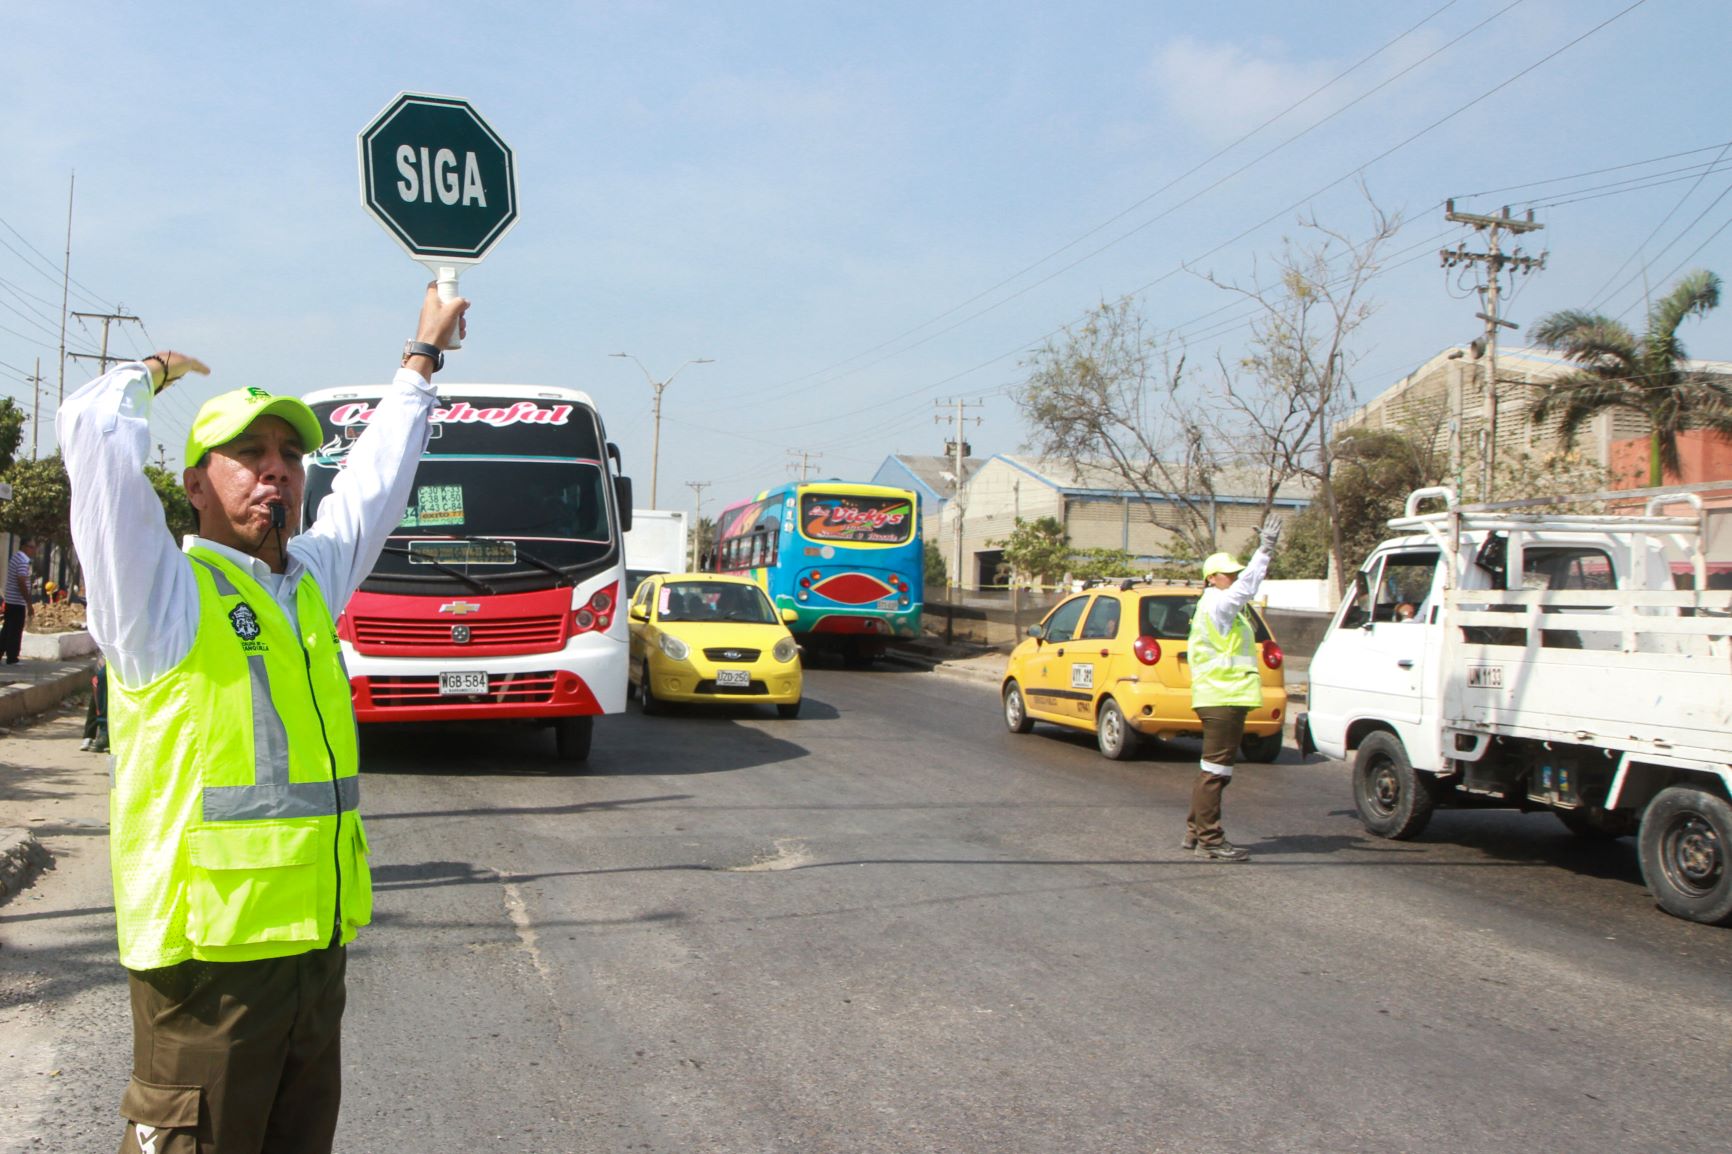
pixel 845 558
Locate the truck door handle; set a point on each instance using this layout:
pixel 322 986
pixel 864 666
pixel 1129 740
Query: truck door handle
pixel 1406 663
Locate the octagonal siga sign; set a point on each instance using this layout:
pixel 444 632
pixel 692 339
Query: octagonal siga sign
pixel 438 178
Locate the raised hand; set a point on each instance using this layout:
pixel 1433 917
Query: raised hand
pixel 1271 532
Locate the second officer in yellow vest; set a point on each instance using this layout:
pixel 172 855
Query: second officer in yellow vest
pixel 239 861
pixel 1225 686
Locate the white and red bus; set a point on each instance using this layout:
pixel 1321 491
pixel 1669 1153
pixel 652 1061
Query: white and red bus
pixel 496 598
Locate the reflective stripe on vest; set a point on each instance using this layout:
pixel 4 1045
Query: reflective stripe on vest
pixel 272 794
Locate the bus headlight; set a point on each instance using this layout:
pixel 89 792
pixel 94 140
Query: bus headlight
pixel 676 649
pixel 785 650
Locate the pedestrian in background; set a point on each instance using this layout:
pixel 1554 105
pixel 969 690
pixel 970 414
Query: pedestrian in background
pixel 1225 686
pixel 96 716
pixel 17 596
pixel 239 861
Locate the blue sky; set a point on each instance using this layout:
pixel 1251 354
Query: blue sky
pixel 849 207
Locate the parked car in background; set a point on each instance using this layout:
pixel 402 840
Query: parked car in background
pixel 1112 661
pixel 706 637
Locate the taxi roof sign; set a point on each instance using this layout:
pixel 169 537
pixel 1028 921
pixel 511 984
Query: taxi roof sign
pixel 438 178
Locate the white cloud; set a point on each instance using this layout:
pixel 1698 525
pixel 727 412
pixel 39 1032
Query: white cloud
pixel 1221 90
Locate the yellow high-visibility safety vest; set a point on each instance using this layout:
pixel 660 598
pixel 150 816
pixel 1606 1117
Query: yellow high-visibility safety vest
pixel 234 832
pixel 1223 667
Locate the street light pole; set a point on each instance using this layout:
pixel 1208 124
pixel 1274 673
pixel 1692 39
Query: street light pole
pixel 656 410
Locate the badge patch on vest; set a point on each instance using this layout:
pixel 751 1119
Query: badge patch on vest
pixel 245 621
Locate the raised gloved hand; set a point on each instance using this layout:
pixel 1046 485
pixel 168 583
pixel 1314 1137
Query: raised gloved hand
pixel 1271 533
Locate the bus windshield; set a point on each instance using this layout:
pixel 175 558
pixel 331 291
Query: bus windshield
pixel 856 519
pixel 490 516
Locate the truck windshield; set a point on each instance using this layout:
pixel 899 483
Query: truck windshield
pixel 490 517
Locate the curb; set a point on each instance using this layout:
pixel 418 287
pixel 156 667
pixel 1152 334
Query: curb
pixel 22 857
pixel 23 699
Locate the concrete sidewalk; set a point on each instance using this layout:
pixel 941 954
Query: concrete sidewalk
pixel 27 690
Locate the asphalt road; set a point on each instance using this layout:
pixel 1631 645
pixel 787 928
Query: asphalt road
pixel 891 925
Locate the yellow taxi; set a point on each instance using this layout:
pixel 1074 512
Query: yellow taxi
pixel 706 637
pixel 1112 661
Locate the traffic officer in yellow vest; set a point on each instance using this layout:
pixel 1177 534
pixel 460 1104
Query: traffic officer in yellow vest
pixel 1225 686
pixel 239 862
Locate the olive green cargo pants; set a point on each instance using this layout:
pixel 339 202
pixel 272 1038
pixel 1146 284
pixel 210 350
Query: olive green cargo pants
pixel 236 1057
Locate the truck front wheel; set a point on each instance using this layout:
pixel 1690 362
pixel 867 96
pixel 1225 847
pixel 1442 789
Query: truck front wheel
pixel 1684 845
pixel 1394 799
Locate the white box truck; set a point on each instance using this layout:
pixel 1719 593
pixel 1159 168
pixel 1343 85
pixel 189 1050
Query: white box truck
pixel 659 541
pixel 1491 656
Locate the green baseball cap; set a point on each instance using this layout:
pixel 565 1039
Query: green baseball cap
pixel 226 416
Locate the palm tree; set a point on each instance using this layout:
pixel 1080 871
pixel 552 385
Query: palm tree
pixel 1646 376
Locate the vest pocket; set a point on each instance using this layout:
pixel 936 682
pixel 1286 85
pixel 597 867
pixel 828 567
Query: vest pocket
pixel 357 880
pixel 251 884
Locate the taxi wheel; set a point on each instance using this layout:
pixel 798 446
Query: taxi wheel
pixel 1016 716
pixel 1113 733
pixel 647 696
pixel 790 709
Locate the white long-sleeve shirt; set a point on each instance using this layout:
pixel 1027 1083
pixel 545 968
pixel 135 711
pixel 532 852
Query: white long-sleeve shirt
pixel 1222 605
pixel 143 598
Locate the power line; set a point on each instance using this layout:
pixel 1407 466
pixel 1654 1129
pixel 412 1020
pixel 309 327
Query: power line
pixel 1296 205
pixel 776 389
pixel 1589 172
pixel 1688 193
pixel 53 272
pixel 1685 231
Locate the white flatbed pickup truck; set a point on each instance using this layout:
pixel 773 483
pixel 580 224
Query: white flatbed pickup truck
pixel 1490 656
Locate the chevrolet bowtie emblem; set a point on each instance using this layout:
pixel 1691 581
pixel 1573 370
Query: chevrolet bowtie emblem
pixel 460 607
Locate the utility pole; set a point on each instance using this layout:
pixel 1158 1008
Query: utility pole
pixel 66 281
pixel 658 386
pixel 805 465
pixel 35 406
pixel 106 319
pixel 697 488
pixel 958 450
pixel 1495 262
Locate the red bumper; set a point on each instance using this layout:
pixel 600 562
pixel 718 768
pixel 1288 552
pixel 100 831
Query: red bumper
pixel 555 693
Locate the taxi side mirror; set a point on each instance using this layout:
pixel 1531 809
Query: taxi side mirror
pixel 639 612
pixel 1037 631
pixel 789 616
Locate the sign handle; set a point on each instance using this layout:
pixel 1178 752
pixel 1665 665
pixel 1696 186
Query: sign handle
pixel 446 278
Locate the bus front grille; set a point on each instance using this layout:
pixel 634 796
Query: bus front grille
pixel 515 633
pixel 502 689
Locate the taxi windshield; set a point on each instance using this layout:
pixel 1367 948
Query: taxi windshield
pixel 713 601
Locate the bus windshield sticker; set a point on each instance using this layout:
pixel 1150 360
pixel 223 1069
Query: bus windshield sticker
pixel 435 506
pixel 425 552
pixel 465 413
pixel 857 519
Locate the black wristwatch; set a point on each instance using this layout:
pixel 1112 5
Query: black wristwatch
pixel 423 349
